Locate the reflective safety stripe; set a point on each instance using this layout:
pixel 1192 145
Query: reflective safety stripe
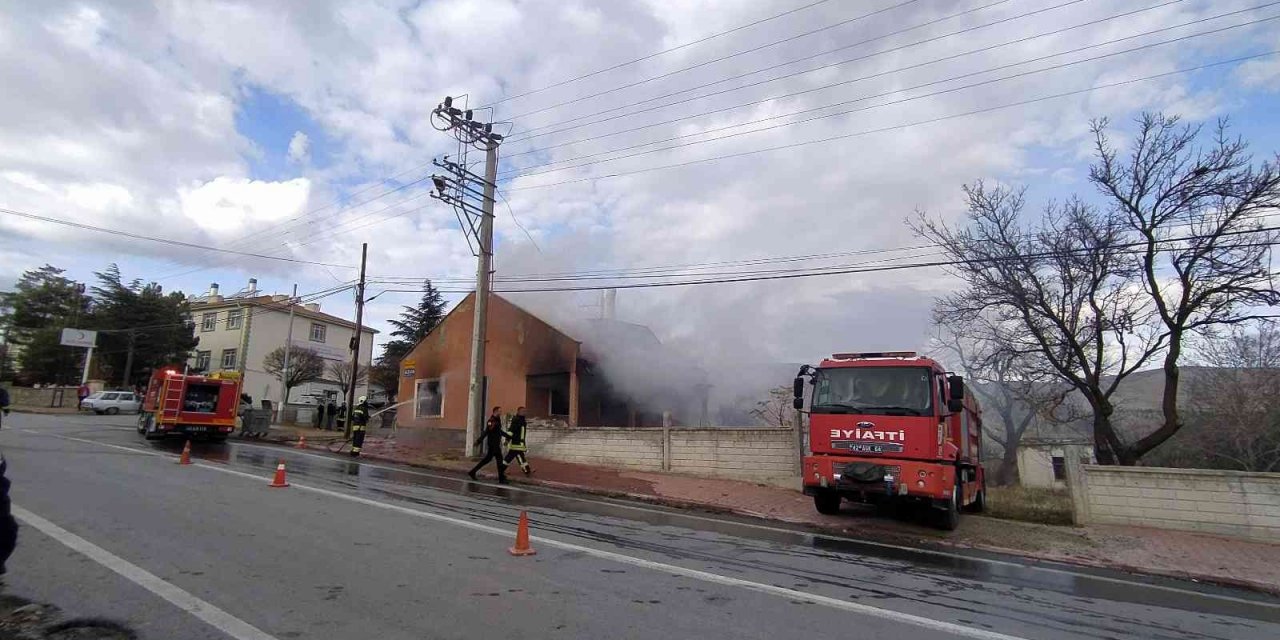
pixel 517 447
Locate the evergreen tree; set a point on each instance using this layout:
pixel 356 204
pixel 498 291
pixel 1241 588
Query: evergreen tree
pixel 143 319
pixel 415 322
pixel 42 304
pixel 412 326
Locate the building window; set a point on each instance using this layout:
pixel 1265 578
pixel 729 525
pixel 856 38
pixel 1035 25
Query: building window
pixel 235 318
pixel 559 403
pixel 202 360
pixel 1059 468
pixel 317 332
pixel 228 358
pixel 428 399
pixel 209 321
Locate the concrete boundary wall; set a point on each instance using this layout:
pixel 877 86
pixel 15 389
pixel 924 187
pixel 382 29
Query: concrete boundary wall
pixel 758 454
pixel 1231 503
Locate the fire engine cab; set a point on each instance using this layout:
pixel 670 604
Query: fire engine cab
pixel 891 427
pixel 190 405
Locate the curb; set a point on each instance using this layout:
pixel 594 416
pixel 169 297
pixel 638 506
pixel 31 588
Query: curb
pixel 923 544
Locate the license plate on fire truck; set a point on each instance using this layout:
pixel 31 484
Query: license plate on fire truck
pixel 200 429
pixel 867 447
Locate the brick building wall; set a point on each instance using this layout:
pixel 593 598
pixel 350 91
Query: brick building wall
pixel 1234 503
pixel 518 345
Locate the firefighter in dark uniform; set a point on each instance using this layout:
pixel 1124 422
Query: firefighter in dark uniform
pixel 359 419
pixel 517 447
pixel 8 525
pixel 492 437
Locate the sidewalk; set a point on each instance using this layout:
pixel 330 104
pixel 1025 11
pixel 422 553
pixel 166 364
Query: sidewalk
pixel 1139 550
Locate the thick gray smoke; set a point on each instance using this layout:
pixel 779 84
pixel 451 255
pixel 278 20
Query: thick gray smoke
pixel 732 335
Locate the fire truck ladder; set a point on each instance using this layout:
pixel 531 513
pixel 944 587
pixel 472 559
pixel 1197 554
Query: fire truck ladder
pixel 171 399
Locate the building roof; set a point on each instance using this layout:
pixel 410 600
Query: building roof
pixel 272 304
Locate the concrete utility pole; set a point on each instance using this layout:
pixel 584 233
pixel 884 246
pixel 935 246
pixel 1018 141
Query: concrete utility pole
pixel 284 372
pixel 458 192
pixel 355 342
pixel 484 271
pixel 128 360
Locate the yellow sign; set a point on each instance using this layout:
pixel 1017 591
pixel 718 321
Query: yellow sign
pixel 407 364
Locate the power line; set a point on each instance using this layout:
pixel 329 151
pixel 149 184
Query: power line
pixel 728 57
pixel 854 270
pixel 176 243
pixel 528 133
pixel 887 93
pixel 262 308
pixel 656 54
pixel 673 272
pixel 259 237
pixel 1189 220
pixel 828 86
pixel 866 132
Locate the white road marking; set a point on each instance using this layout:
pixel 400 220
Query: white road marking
pixel 178 597
pixel 761 527
pixel 671 569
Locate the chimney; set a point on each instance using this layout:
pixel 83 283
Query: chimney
pixel 312 306
pixel 611 304
pixel 253 286
pixel 213 289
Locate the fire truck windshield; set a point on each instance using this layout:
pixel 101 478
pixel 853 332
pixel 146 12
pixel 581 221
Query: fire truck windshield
pixel 874 390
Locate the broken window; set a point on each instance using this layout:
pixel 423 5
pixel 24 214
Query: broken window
pixel 429 399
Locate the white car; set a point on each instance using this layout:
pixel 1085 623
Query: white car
pixel 112 402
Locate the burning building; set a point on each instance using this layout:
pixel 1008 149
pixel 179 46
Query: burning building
pixel 595 373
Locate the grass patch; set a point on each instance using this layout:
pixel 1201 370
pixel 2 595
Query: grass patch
pixel 1044 506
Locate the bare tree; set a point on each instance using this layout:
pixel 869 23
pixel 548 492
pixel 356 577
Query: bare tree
pixel 775 409
pixel 1233 418
pixel 305 365
pixel 1205 254
pixel 1014 395
pixel 1057 295
pixel 340 372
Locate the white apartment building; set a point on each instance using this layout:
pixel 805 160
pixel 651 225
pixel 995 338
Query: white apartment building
pixel 237 332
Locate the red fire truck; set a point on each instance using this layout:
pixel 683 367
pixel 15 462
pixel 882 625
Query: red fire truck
pixel 190 405
pixel 892 427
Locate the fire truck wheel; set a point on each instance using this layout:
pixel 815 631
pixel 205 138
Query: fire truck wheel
pixel 827 502
pixel 949 516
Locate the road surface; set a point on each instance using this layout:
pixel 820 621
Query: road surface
pixel 112 526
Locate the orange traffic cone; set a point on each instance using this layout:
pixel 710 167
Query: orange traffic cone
pixel 279 480
pixel 522 547
pixel 185 458
pixel 302 442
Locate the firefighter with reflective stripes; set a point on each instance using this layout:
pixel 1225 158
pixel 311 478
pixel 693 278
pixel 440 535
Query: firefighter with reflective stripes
pixel 517 447
pixel 359 419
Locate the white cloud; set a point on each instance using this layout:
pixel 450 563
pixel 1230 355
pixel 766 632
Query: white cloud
pixel 139 131
pixel 299 148
pixel 226 205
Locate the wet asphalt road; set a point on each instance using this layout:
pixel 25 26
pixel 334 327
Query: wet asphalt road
pixel 361 550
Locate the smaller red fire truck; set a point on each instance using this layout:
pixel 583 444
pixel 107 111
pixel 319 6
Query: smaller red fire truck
pixel 190 405
pixel 892 427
